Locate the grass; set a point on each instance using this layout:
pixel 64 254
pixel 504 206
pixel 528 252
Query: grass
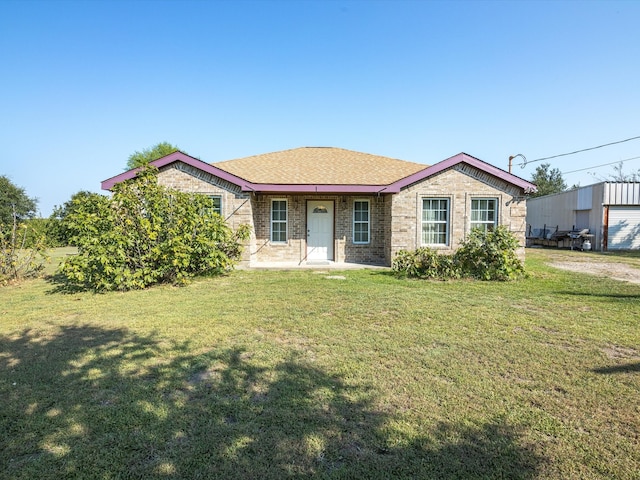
pixel 290 374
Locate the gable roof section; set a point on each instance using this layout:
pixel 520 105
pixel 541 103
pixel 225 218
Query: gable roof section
pixel 450 162
pixel 176 156
pixel 323 170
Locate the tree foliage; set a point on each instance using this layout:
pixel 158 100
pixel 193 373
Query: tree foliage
pixel 59 230
pixel 147 234
pixel 37 233
pixel 621 176
pixel 22 251
pixel 548 180
pixel 140 159
pixel 490 255
pixel 484 255
pixel 425 263
pixel 14 203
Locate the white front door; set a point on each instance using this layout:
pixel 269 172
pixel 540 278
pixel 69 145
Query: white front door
pixel 319 230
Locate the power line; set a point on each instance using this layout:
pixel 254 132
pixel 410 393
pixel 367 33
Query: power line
pixel 577 151
pixel 597 166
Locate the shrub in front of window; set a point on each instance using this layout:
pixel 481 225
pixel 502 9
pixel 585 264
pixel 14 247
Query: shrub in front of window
pixel 425 263
pixel 490 255
pixel 147 234
pixel 485 255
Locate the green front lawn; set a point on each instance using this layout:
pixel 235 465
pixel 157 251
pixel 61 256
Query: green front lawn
pixel 279 374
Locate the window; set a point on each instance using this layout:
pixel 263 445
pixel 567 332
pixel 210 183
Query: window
pixel 361 221
pixel 435 221
pixel 484 213
pixel 279 221
pixel 217 203
pixel 216 207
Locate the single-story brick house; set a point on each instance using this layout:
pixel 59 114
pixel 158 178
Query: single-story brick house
pixel 321 204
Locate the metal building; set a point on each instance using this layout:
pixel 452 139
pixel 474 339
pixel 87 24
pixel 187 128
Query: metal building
pixel 610 210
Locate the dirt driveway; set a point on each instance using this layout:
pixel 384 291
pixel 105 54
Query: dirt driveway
pixel 614 266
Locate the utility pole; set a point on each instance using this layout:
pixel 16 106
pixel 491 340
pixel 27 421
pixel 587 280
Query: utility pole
pixel 514 156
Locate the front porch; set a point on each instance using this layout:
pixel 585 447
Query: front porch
pixel 317 231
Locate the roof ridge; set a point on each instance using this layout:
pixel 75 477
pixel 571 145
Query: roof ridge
pixel 320 165
pixel 277 152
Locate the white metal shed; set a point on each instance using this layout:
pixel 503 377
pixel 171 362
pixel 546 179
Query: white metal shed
pixel 610 210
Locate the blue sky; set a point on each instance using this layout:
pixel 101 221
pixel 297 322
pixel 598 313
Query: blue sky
pixel 84 84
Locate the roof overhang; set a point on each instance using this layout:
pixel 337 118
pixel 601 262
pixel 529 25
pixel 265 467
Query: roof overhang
pixel 395 187
pixel 320 188
pixel 528 187
pixel 177 156
pixel 244 185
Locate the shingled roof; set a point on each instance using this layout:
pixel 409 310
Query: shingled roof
pixel 320 166
pixel 323 170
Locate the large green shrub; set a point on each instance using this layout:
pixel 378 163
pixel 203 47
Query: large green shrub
pixel 36 232
pixel 59 230
pixel 425 263
pixel 490 255
pixel 147 234
pixel 485 255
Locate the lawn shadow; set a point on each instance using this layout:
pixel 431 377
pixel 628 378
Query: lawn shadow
pixel 89 402
pixel 609 295
pixel 60 284
pixel 626 368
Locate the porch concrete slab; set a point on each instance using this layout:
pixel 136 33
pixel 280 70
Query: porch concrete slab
pixel 310 266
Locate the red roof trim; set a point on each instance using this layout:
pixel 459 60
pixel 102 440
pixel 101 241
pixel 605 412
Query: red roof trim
pixel 528 187
pixel 302 188
pixel 178 156
pixel 319 188
pixel 243 184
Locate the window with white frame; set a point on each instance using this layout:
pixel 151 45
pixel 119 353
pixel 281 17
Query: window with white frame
pixel 435 221
pixel 217 204
pixel 361 230
pixel 279 221
pixel 484 213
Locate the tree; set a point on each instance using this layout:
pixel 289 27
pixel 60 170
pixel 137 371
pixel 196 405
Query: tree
pixel 548 180
pixel 59 230
pixel 14 203
pixel 22 251
pixel 620 176
pixel 140 159
pixel 147 234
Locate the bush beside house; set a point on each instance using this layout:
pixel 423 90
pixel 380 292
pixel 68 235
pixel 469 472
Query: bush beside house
pixel 147 234
pixel 484 255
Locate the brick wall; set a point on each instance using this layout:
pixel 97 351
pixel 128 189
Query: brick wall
pixel 236 205
pixel 460 185
pixel 394 219
pixel 295 249
pixel 255 210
